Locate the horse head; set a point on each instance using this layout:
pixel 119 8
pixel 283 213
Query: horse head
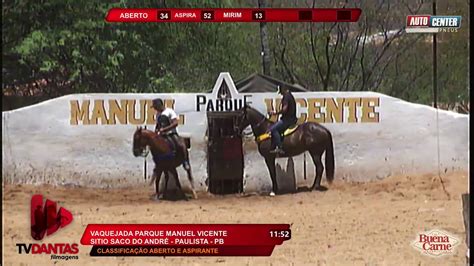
pixel 251 116
pixel 139 143
pixel 244 119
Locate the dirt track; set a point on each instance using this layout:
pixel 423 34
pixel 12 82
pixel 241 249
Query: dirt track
pixel 350 224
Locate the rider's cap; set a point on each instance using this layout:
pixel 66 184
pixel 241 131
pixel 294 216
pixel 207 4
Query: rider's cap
pixel 157 102
pixel 281 88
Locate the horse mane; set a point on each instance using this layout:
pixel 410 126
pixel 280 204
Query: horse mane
pixel 156 138
pixel 153 135
pixel 258 113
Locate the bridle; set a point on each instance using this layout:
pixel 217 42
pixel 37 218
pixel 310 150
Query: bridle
pixel 145 152
pixel 145 149
pixel 244 115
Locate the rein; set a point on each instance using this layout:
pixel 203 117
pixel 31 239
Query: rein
pixel 261 122
pixel 263 136
pixel 159 157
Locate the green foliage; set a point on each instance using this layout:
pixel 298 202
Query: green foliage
pixel 70 46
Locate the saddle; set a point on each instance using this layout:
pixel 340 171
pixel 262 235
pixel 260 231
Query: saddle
pixel 169 155
pixel 287 132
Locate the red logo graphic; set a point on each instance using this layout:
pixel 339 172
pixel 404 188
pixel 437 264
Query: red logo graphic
pixel 46 219
pixel 418 21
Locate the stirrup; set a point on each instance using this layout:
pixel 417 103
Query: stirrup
pixel 278 150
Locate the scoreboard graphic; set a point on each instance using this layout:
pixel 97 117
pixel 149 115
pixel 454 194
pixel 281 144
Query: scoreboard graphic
pixel 234 15
pixel 432 24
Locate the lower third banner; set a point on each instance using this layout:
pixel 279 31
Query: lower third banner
pixel 184 239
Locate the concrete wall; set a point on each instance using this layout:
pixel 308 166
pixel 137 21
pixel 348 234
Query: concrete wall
pixel 374 135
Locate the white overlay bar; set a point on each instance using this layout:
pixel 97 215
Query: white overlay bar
pixel 422 30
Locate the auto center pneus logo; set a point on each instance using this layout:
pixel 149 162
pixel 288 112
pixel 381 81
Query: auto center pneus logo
pixel 47 220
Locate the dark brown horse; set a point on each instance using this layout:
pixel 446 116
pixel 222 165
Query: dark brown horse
pixel 166 160
pixel 311 137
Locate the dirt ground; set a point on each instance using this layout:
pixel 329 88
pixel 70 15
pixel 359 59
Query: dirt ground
pixel 350 224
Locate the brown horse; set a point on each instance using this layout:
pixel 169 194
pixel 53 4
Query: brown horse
pixel 166 160
pixel 311 137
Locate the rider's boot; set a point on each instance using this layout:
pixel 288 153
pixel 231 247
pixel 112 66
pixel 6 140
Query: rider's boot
pixel 186 164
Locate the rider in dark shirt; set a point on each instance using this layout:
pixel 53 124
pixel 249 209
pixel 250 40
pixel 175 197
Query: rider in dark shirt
pixel 288 118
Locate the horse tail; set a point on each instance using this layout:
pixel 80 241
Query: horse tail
pixel 329 160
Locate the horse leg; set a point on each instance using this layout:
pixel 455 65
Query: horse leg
pixel 270 161
pixel 319 171
pixel 167 177
pixel 157 177
pixel 190 178
pixel 178 184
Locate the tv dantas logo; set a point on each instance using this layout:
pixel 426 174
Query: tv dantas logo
pixel 46 220
pixel 436 243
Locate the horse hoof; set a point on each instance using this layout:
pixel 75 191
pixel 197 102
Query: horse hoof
pixel 320 188
pixel 272 194
pixel 195 196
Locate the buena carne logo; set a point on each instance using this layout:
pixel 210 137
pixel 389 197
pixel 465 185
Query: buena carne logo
pixel 46 221
pixel 435 243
